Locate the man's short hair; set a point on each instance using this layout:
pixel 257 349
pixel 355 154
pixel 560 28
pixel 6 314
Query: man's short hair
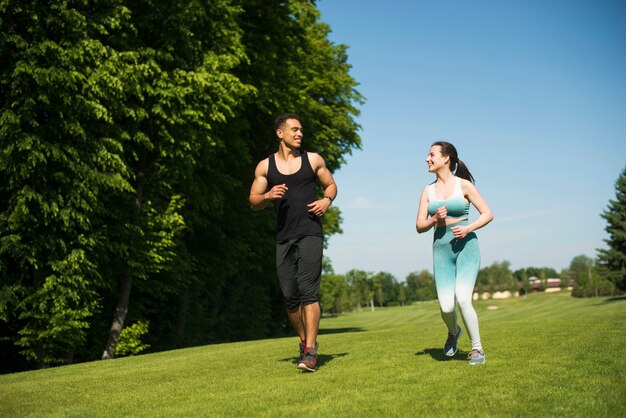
pixel 280 119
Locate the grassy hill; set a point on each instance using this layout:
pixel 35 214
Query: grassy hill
pixel 547 355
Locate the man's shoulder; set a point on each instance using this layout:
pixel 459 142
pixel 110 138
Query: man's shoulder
pixel 315 159
pixel 263 166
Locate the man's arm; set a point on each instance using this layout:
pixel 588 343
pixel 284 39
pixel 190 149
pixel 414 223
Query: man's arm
pixel 260 197
pixel 326 180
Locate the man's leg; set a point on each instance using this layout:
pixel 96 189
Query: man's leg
pixel 296 316
pixel 309 276
pixel 312 313
pixel 287 269
pixel 308 361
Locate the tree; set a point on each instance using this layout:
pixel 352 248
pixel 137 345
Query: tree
pixel 180 87
pixel 402 293
pixel 524 285
pixel 612 260
pixel 580 270
pixel 59 156
pixel 360 288
pixel 587 281
pixel 290 65
pixel 128 138
pixel 497 277
pixel 334 294
pixel 522 276
pixel 420 286
pixel 384 287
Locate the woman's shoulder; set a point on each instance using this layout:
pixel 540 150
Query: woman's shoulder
pixel 466 185
pixel 428 189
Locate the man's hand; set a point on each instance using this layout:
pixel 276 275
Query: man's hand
pixel 319 207
pixel 276 192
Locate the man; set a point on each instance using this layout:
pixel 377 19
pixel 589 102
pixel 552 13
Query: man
pixel 289 179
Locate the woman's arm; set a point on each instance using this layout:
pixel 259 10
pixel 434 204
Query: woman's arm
pixel 475 198
pixel 423 222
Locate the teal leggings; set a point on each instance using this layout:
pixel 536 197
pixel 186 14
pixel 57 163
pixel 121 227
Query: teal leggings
pixel 456 264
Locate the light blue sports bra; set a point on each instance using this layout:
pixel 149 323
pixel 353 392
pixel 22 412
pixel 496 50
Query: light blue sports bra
pixel 456 205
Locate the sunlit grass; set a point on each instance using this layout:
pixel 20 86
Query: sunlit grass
pixel 547 355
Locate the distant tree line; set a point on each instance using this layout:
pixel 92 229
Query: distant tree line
pixel 129 133
pixel 357 289
pixel 604 276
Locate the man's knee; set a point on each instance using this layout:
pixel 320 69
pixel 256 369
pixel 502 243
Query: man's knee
pixel 292 302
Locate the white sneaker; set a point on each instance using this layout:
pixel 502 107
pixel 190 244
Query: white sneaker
pixel 476 357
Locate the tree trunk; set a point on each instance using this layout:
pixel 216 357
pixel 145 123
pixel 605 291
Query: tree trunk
pixel 183 308
pixel 127 278
pixel 119 316
pixel 41 354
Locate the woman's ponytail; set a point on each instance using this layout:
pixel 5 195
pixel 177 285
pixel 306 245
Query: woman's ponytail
pixel 463 172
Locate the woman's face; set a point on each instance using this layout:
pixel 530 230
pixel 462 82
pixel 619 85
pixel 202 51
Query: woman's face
pixel 435 159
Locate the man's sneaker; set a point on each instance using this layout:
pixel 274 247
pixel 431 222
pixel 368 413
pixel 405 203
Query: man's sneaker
pixel 309 360
pixel 450 349
pixel 476 357
pixel 302 346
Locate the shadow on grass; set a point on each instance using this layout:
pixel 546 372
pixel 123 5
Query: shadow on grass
pixel 612 299
pixel 323 331
pixel 437 354
pixel 322 359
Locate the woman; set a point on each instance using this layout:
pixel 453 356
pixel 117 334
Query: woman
pixel 444 204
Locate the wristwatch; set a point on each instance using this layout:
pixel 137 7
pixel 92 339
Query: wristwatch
pixel 330 199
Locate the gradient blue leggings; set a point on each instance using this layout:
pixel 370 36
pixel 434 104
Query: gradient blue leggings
pixel 456 263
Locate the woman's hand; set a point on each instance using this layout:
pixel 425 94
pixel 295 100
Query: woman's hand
pixel 460 231
pixel 441 214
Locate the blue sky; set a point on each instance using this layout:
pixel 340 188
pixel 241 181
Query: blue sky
pixel 532 94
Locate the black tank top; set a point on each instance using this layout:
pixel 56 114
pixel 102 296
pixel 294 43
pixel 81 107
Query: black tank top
pixel 293 218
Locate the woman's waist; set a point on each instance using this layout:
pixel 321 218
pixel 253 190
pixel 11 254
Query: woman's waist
pixel 449 221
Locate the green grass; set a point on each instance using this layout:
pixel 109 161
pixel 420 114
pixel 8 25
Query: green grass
pixel 547 355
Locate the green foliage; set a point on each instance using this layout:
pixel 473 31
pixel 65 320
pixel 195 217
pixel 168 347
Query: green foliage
pixel 361 292
pixel 358 289
pixel 334 294
pixel 612 260
pixel 496 277
pixel 56 315
pixel 546 272
pixel 130 339
pixel 521 278
pixel 587 281
pixel 57 160
pixel 129 132
pixel 420 286
pixel 385 288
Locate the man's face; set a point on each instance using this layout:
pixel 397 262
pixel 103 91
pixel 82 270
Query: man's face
pixel 291 133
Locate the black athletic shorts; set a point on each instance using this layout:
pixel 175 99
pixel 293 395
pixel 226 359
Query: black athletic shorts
pixel 299 267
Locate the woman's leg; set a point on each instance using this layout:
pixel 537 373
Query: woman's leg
pixel 467 266
pixel 444 268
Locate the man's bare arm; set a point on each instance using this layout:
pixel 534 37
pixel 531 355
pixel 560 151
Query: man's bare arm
pixel 260 197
